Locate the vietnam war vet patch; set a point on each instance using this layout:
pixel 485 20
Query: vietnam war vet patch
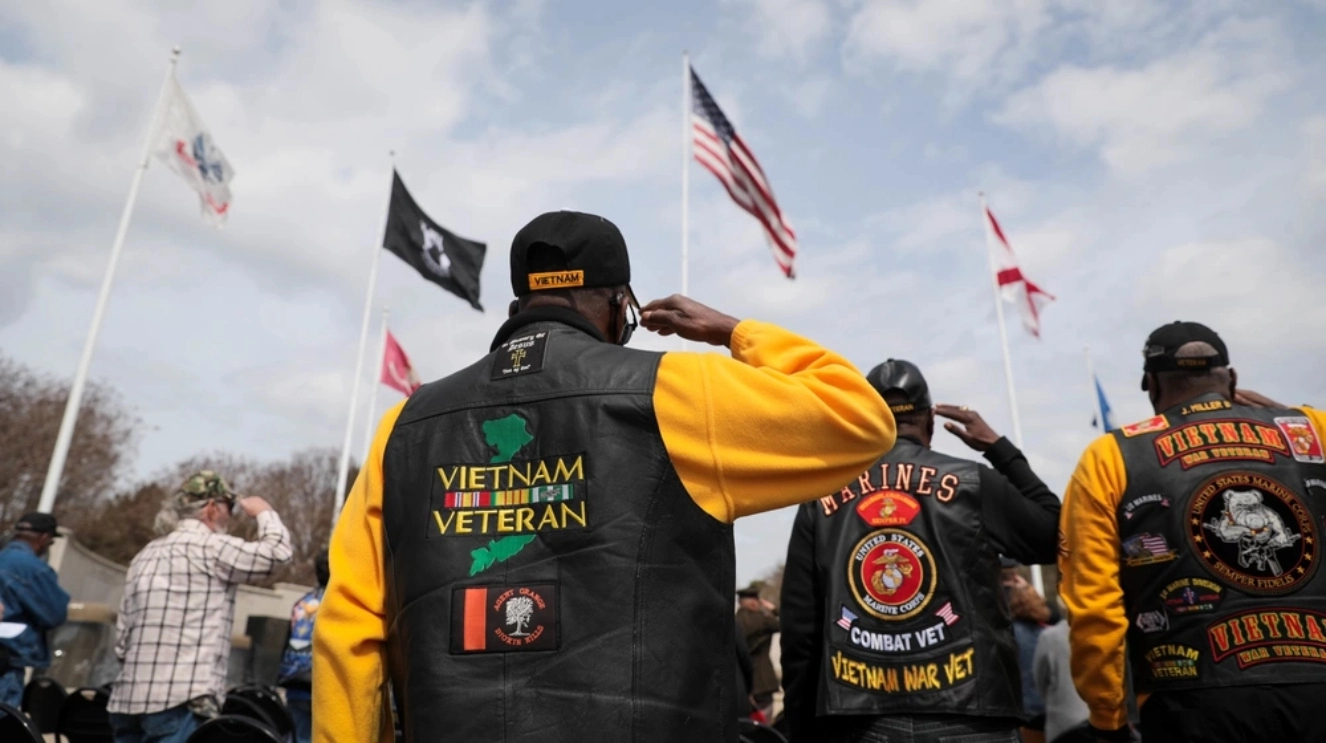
pixel 504 619
pixel 523 355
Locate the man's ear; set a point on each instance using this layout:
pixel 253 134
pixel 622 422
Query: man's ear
pixel 1233 382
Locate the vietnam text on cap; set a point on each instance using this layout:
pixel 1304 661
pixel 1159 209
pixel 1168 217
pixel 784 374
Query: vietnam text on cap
pixel 592 248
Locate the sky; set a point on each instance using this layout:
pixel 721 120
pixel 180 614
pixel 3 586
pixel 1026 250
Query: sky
pixel 1149 161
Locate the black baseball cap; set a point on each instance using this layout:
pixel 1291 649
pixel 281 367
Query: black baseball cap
pixel 1165 341
pixel 593 248
pixel 902 381
pixel 38 523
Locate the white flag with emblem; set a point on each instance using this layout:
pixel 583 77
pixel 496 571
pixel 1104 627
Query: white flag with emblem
pixel 184 144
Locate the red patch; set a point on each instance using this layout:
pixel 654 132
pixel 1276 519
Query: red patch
pixel 1303 439
pixel 1150 425
pixel 888 508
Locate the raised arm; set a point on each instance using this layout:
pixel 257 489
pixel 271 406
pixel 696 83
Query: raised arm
pixel 781 422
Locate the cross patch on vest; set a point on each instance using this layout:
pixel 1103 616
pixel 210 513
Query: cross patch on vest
pixel 504 618
pixel 523 355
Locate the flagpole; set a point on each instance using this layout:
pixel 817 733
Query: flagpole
pixel 66 434
pixel 343 469
pixel 373 387
pixel 1037 580
pixel 685 172
pixel 1003 333
pixel 1095 391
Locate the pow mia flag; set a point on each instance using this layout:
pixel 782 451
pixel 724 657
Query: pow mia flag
pixel 451 262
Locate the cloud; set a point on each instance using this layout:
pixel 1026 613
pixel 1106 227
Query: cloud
pixel 1141 118
pixel 787 28
pixel 1314 134
pixel 970 40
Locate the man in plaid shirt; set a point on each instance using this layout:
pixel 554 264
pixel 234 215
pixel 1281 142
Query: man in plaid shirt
pixel 173 630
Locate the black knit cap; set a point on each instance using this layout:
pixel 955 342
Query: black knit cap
pixel 902 381
pixel 593 247
pixel 1159 353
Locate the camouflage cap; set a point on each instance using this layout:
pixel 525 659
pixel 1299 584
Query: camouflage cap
pixel 206 485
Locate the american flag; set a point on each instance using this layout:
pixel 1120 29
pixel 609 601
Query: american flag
pixel 721 151
pixel 1014 287
pixel 947 614
pixel 845 621
pixel 1155 544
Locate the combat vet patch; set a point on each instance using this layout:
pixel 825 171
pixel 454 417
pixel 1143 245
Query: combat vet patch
pixel 1150 622
pixel 1146 549
pixel 1170 661
pixel 523 355
pixel 892 574
pixel 1253 533
pixel 1269 634
pixel 1150 425
pixel 1303 439
pixel 1192 595
pixel 1225 440
pixel 504 619
pixel 888 508
pixel 945 672
pixel 1153 498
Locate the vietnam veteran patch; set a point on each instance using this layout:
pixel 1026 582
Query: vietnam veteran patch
pixel 504 619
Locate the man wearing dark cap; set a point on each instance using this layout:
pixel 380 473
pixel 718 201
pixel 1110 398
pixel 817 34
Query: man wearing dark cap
pixel 540 545
pixel 30 595
pixel 1191 542
pixel 758 619
pixel 894 625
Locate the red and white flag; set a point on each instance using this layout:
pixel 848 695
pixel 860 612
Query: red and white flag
pixel 396 370
pixel 1013 286
pixel 185 145
pixel 721 151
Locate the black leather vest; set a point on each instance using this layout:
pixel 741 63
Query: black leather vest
pixel 549 578
pixel 1220 527
pixel 915 618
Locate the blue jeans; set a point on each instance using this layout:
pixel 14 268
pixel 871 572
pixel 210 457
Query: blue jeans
pixel 923 729
pixel 11 687
pixel 301 711
pixel 174 725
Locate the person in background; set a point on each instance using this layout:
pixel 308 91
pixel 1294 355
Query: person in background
pixel 1065 712
pixel 893 625
pixel 758 619
pixel 744 675
pixel 31 595
pixel 296 675
pixel 1030 617
pixel 1190 551
pixel 173 629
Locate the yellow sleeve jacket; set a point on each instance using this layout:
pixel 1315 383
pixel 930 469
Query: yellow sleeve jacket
pixel 780 422
pixel 1089 552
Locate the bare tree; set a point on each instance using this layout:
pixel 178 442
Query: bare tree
pixel 31 406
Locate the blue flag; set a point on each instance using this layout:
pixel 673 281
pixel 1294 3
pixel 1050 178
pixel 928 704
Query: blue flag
pixel 1104 409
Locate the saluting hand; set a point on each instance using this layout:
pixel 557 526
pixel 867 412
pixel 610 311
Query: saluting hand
pixel 973 431
pixel 689 319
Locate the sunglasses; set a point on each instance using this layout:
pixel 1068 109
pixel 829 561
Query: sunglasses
pixel 633 321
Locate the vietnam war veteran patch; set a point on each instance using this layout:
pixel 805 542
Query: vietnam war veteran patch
pixel 504 619
pixel 512 500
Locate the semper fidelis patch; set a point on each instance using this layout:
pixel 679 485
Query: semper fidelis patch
pixel 1253 533
pixel 504 618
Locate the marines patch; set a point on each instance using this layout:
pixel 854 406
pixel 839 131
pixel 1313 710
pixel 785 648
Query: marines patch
pixel 1303 439
pixel 1253 533
pixel 892 574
